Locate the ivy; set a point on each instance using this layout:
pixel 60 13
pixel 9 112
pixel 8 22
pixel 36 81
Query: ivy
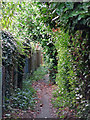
pixel 73 53
pixel 63 31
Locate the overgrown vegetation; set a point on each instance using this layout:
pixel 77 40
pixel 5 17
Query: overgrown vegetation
pixel 21 98
pixel 38 74
pixel 70 93
pixel 63 30
pixel 26 97
pixel 71 40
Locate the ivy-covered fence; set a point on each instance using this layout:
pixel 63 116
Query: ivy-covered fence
pixel 15 64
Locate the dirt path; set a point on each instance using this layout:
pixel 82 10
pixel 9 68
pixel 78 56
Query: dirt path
pixel 43 108
pixel 44 92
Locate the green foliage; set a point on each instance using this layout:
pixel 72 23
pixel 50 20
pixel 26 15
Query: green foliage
pixel 73 52
pixel 70 15
pixel 9 49
pixel 25 98
pixel 39 73
pixel 22 99
pixel 47 24
pixel 65 76
pixel 71 78
pixel 8 10
pixel 31 27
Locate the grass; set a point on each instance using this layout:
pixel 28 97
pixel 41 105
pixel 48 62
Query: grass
pixel 38 74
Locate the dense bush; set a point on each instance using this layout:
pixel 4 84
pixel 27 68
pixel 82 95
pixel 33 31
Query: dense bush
pixel 71 68
pixel 73 49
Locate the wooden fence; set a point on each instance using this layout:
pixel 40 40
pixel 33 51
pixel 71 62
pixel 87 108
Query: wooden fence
pixel 31 64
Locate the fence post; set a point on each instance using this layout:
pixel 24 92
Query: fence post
pixel 41 59
pixel 35 60
pixel 0 65
pixel 15 76
pixel 0 75
pixel 38 58
pixel 3 85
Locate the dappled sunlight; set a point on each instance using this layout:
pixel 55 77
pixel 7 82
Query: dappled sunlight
pixel 45 65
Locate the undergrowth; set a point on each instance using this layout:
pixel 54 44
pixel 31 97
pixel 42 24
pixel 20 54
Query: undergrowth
pixel 39 73
pixel 25 98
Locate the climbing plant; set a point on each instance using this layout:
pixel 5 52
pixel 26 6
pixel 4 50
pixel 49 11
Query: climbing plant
pixel 30 26
pixel 14 51
pixel 63 30
pixel 73 53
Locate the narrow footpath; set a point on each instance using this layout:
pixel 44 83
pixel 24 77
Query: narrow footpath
pixel 44 91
